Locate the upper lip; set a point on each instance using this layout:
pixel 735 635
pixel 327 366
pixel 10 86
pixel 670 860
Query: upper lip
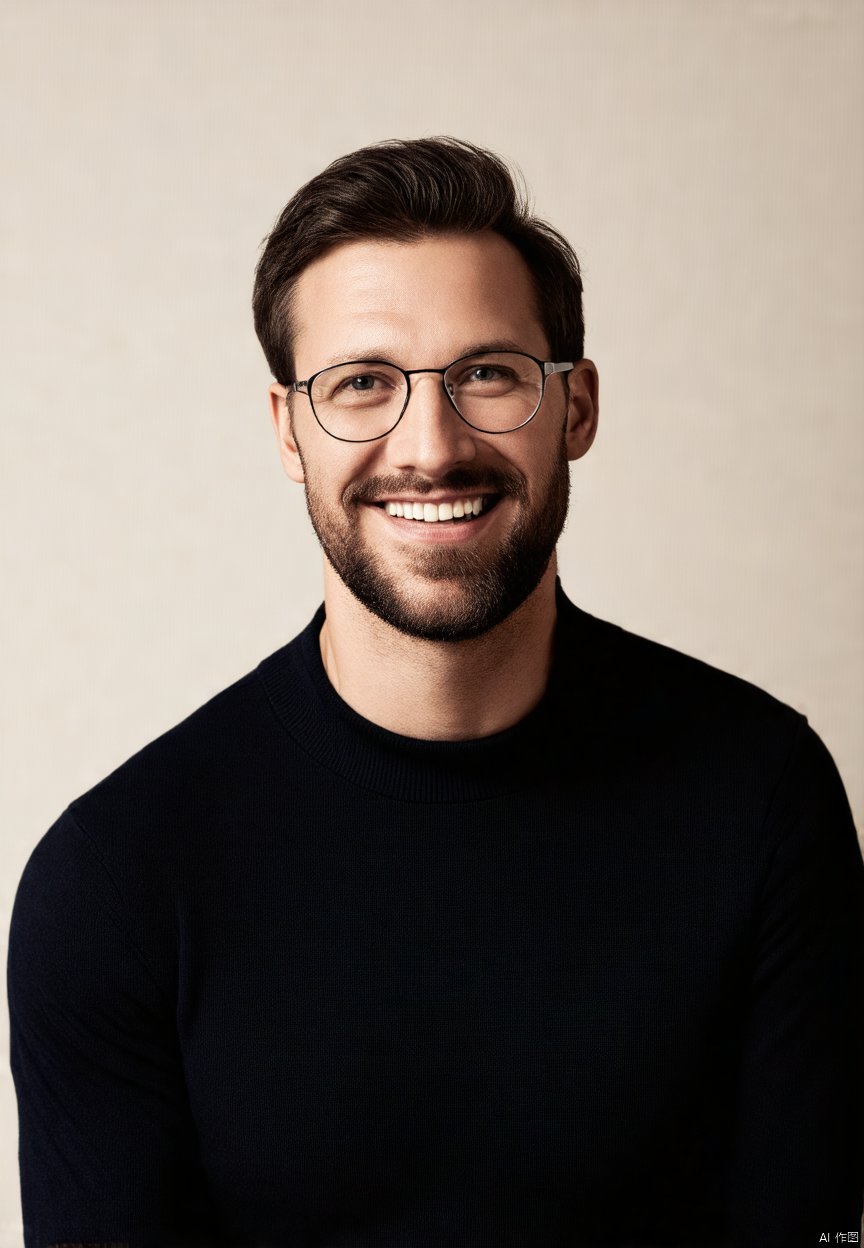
pixel 452 497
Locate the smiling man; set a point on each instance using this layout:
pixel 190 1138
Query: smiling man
pixel 437 490
pixel 466 917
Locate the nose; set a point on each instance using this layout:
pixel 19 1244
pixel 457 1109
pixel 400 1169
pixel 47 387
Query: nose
pixel 431 437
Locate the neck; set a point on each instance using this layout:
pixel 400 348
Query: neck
pixel 446 691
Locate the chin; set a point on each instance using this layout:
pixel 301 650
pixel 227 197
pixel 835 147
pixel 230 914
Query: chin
pixel 453 609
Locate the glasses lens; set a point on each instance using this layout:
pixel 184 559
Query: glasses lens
pixel 496 391
pixel 358 401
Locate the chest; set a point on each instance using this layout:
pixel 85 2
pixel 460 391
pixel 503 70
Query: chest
pixel 510 1003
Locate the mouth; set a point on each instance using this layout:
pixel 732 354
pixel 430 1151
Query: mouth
pixel 455 521
pixel 456 511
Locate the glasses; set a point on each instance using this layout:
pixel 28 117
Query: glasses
pixel 492 391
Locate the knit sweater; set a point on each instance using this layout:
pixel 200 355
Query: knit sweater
pixel 286 978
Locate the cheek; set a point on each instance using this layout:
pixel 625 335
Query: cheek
pixel 338 472
pixel 330 466
pixel 549 477
pixel 542 460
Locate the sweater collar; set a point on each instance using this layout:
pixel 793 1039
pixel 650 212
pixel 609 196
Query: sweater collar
pixel 530 752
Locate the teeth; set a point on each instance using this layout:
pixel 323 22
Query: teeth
pixel 430 512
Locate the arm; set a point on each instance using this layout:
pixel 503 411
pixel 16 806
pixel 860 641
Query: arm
pixel 107 1147
pixel 798 1169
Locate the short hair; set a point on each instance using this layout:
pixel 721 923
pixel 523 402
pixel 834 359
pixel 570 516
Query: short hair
pixel 402 190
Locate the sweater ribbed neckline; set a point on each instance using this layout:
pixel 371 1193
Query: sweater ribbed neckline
pixel 325 727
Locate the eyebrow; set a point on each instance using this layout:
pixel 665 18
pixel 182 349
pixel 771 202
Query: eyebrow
pixel 386 356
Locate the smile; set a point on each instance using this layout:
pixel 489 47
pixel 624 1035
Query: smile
pixel 456 512
pixel 455 522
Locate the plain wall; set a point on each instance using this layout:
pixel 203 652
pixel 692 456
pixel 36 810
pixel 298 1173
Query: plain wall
pixel 705 159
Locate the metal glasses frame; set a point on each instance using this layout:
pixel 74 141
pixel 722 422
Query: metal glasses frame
pixel 547 368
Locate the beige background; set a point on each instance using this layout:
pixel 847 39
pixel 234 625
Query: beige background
pixel 707 162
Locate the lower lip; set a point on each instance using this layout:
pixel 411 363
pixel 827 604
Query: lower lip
pixel 439 530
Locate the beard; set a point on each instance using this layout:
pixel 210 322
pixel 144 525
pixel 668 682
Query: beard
pixel 484 586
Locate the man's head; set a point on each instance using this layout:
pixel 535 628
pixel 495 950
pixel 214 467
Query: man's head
pixel 417 253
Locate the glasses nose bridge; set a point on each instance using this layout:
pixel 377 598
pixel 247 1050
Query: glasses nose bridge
pixel 451 403
pixel 413 372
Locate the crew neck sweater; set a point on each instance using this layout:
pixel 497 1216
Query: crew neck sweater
pixel 287 978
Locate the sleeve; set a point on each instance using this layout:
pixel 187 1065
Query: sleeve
pixel 107 1147
pixel 798 1165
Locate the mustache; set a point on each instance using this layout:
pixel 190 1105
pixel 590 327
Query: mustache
pixel 486 480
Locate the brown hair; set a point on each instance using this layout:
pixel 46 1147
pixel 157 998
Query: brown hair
pixel 402 190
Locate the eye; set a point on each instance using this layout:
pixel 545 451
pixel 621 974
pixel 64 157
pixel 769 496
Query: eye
pixel 358 385
pixel 486 376
pixel 361 383
pixel 483 372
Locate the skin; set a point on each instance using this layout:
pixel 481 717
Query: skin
pixel 422 305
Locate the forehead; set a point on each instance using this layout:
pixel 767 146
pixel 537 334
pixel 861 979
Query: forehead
pixel 420 303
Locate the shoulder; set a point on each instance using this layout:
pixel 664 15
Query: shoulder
pixel 680 722
pixel 157 813
pixel 217 751
pixel 682 739
pixel 121 838
pixel 185 762
pixel 656 679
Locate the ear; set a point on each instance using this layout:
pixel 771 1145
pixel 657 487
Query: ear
pixel 289 452
pixel 582 408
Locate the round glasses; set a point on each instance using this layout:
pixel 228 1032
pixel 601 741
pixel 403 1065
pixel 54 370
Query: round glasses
pixel 492 391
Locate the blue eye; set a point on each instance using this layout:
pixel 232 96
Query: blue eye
pixel 345 387
pixel 486 376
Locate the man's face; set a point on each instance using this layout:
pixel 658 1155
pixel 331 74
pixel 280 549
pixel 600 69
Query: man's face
pixel 423 305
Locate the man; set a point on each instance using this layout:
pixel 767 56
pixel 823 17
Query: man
pixel 466 918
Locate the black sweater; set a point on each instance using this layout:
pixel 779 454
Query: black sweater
pixel 286 978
